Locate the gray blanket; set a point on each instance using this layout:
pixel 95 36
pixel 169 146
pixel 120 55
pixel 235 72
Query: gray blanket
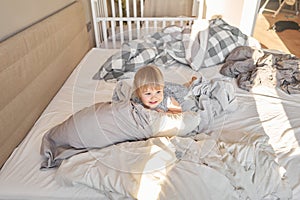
pixel 108 123
pixel 209 98
pixel 252 67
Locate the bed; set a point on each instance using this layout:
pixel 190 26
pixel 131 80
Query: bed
pixel 247 151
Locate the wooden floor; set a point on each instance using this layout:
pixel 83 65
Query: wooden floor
pixel 287 41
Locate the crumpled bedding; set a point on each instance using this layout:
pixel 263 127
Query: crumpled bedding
pixel 121 120
pixel 162 49
pixel 252 67
pixel 108 123
pixel 210 98
pixel 175 45
pixel 231 166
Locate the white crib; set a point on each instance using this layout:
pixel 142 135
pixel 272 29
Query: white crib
pixel 116 21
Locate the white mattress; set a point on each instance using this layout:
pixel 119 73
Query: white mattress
pixel 20 177
pixel 265 111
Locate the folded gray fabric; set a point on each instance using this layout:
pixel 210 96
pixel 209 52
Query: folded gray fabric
pixel 253 67
pixel 216 96
pixel 94 127
pixel 108 123
pixel 208 98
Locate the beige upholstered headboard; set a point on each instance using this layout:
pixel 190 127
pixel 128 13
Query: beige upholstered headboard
pixel 34 64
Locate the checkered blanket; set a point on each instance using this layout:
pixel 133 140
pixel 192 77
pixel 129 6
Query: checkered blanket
pixel 214 44
pixel 172 45
pixel 162 49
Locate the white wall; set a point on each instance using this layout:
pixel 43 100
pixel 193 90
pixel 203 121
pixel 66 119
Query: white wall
pixel 249 14
pixel 239 13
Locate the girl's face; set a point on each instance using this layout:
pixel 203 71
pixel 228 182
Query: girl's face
pixel 151 97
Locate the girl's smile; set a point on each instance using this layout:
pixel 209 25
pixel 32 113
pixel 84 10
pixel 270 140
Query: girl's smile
pixel 151 97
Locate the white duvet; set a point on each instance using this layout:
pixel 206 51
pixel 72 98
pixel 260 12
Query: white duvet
pixel 251 153
pixel 237 166
pixel 236 160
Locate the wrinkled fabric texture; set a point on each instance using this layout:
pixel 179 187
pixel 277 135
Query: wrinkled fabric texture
pixel 90 128
pixel 174 45
pixel 252 67
pixel 108 123
pixel 243 166
pixel 162 49
pixel 123 91
pixel 209 98
pixel 177 91
pixel 214 44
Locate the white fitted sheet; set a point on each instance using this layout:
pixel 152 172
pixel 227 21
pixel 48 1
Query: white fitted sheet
pixel 265 110
pixel 20 177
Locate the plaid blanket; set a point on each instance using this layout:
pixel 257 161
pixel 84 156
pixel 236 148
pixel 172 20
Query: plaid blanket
pixel 174 44
pixel 214 44
pixel 162 49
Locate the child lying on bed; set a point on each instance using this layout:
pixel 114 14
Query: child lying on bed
pixel 108 123
pixel 208 98
pixel 150 90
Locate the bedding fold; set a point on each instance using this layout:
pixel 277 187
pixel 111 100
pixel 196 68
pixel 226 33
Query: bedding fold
pixel 108 123
pixel 210 98
pixel 242 164
pixel 253 67
pixel 175 45
pixel 90 128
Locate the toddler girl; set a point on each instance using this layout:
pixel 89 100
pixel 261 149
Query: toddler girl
pixel 152 92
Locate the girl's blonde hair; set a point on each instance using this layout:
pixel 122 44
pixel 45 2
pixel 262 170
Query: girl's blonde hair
pixel 148 76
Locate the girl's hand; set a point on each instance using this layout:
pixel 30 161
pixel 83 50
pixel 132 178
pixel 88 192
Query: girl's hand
pixel 173 106
pixel 188 84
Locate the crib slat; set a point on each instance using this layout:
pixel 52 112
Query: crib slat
pixel 120 8
pixel 94 5
pixel 104 29
pixel 113 10
pixel 147 26
pixel 105 11
pixel 201 9
pixel 142 8
pixel 134 18
pixel 127 9
pixel 137 23
pixel 113 33
pixel 134 8
pixel 129 29
pixel 155 25
pixel 120 21
pixel 105 15
pixel 138 29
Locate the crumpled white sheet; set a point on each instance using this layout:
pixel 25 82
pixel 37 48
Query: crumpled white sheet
pixel 228 166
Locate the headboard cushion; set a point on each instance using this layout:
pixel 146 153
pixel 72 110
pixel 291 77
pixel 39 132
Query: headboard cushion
pixel 34 65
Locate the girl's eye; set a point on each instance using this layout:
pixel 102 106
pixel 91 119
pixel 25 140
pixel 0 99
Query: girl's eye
pixel 148 93
pixel 158 92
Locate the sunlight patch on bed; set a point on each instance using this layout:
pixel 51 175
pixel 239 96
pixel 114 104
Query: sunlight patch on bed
pixel 274 120
pixel 156 169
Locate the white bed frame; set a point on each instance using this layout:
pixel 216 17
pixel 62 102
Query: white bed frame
pixel 106 18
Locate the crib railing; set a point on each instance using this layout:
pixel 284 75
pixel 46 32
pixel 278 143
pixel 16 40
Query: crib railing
pixel 116 21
